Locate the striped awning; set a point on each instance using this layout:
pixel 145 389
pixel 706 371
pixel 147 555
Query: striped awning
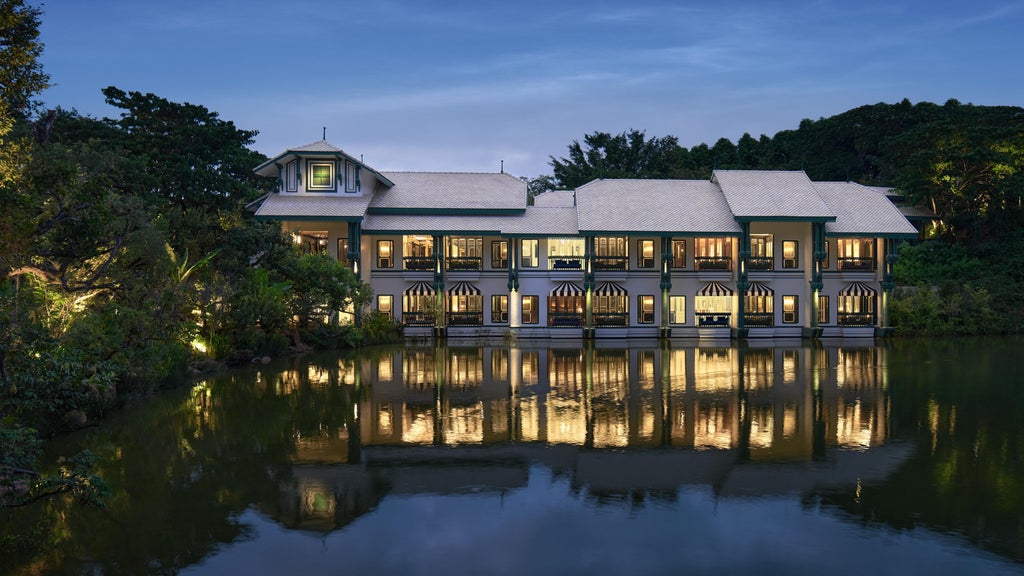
pixel 463 289
pixel 567 289
pixel 759 289
pixel 857 289
pixel 420 289
pixel 714 289
pixel 610 289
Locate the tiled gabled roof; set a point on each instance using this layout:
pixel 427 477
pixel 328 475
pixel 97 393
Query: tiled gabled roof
pixel 657 206
pixel 771 194
pixel 555 198
pixel 544 221
pixel 862 211
pixel 450 191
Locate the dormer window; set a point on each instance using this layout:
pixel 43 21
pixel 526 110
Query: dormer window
pixel 321 175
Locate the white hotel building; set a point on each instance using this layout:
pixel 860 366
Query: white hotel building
pixel 749 253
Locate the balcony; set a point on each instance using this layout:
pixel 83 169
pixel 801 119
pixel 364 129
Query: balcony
pixel 850 319
pixel 565 262
pixel 465 319
pixel 465 263
pixel 417 319
pixel 856 264
pixel 418 263
pixel 570 319
pixel 759 319
pixel 713 263
pixel 760 263
pixel 611 319
pixel 611 262
pixel 713 318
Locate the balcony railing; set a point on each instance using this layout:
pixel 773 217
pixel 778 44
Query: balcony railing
pixel 565 262
pixel 854 264
pixel 611 319
pixel 571 319
pixel 418 262
pixel 856 319
pixel 760 263
pixel 713 318
pixel 759 319
pixel 464 263
pixel 712 263
pixel 610 262
pixel 417 319
pixel 465 318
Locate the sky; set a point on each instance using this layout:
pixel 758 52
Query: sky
pixel 469 85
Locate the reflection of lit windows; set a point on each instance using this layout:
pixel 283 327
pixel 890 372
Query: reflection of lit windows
pixel 464 424
pixel 645 366
pixel 677 309
pixel 384 421
pixel 762 424
pixel 790 365
pixel 713 426
pixel 714 369
pixel 790 420
pixel 531 364
pixel 384 369
pixel 499 364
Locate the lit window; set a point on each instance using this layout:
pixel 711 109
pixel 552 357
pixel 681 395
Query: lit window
pixel 343 251
pixel 646 310
pixel 499 254
pixel 499 309
pixel 530 312
pixel 677 309
pixel 789 311
pixel 645 256
pixel 823 312
pixel 385 256
pixel 790 254
pixel 321 175
pixel 529 253
pixel 678 253
pixel 384 304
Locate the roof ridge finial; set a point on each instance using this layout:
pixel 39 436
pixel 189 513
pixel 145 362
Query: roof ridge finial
pixel 324 137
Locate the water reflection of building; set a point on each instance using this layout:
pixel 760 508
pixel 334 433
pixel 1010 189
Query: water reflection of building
pixel 443 419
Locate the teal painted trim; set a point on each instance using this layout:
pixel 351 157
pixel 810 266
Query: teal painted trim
pixel 448 211
pixel 907 236
pixel 661 234
pixel 785 218
pixel 433 232
pixel 266 218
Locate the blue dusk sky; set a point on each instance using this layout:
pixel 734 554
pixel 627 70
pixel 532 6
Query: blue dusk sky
pixel 464 85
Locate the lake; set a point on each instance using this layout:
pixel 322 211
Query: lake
pixel 902 457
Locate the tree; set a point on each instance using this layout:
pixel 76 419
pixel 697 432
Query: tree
pixel 21 73
pixel 626 155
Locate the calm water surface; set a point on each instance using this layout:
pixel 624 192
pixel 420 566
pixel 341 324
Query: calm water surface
pixel 838 458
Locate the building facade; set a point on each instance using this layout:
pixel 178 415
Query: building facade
pixel 748 253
